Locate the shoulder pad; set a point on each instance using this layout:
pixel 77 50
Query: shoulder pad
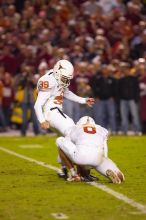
pixel 49 72
pixel 46 82
pixel 102 129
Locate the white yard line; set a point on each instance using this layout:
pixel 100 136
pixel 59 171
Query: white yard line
pixel 30 146
pixel 43 164
pixel 141 208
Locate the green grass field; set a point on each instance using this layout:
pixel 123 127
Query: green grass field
pixel 29 191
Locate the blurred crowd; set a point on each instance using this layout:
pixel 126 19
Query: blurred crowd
pixel 104 39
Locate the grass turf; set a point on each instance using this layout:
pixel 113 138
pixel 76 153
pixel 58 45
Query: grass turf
pixel 29 191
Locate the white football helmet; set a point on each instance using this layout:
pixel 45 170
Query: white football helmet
pixel 86 120
pixel 63 72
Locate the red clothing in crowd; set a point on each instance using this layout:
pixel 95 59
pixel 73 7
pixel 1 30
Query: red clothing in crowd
pixel 143 99
pixel 10 63
pixel 8 95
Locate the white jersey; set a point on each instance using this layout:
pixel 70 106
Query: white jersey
pixel 50 95
pixel 89 136
pixel 85 145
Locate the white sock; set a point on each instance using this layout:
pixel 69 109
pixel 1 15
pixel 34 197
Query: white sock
pixel 73 172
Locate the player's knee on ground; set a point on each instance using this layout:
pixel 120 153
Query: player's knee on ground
pixel 59 141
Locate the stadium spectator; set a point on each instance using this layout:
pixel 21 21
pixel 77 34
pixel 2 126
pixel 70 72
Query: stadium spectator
pixel 81 31
pixel 9 60
pixel 26 97
pixel 8 97
pixel 129 98
pixel 104 90
pixel 43 66
pixel 82 87
pixel 139 49
pixel 2 116
pixel 141 71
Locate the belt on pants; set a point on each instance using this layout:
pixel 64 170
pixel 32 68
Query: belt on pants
pixel 59 111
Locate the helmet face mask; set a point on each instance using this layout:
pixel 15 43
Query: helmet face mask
pixel 63 72
pixel 64 81
pixel 86 120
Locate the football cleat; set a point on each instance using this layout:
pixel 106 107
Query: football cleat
pixel 121 176
pixel 89 178
pixel 113 177
pixel 63 173
pixel 94 178
pixel 75 178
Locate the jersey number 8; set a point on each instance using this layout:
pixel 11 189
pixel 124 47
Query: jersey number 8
pixel 89 129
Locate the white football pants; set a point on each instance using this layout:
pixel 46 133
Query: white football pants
pixel 105 165
pixel 61 122
pixel 80 155
pixel 86 156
